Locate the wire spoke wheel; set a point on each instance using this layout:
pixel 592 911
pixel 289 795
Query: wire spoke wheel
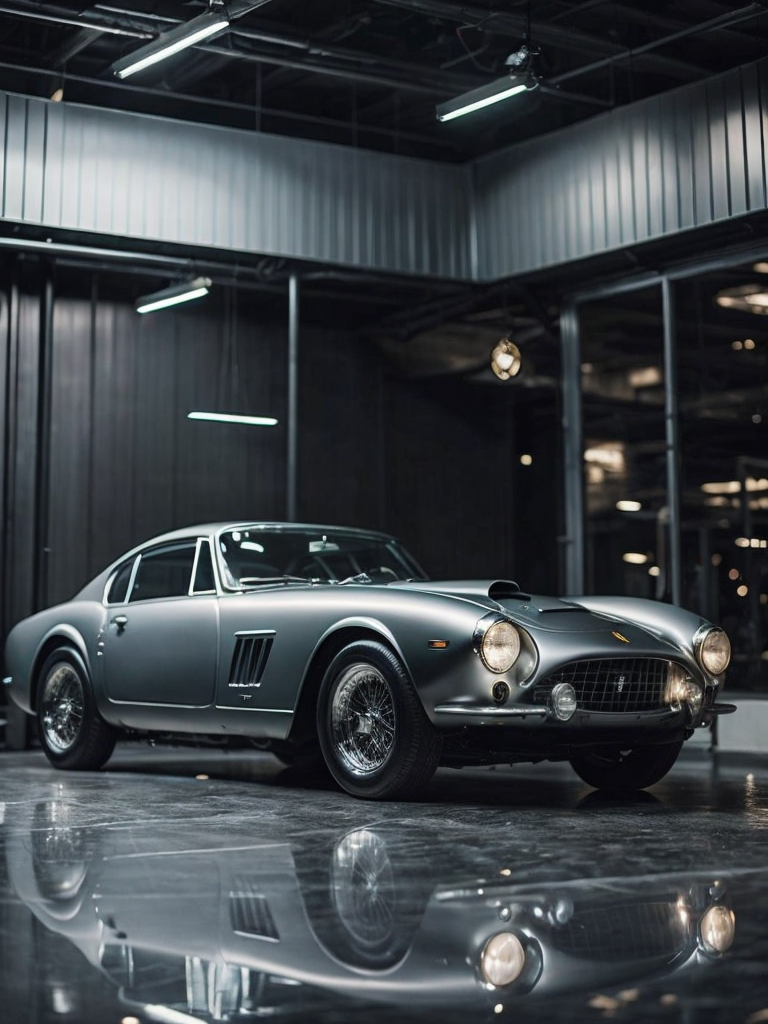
pixel 72 732
pixel 363 719
pixel 376 738
pixel 62 707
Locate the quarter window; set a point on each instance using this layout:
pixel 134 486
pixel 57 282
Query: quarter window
pixel 118 590
pixel 164 572
pixel 204 581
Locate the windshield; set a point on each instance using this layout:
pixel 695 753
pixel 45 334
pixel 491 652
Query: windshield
pixel 251 554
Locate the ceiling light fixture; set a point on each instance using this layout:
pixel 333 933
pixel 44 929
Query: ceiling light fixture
pixel 493 92
pixel 173 295
pixel 168 43
pixel 227 417
pixel 506 359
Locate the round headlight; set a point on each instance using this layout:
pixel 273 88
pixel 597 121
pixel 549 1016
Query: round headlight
pixel 714 650
pixel 717 928
pixel 500 646
pixel 503 959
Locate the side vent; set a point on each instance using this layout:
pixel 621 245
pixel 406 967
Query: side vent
pixel 249 660
pixel 249 912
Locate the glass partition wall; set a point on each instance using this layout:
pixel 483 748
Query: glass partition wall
pixel 673 412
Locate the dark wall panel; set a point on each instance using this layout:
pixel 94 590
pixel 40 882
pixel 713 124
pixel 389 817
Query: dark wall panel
pixel 342 462
pixel 126 462
pixel 434 462
pixel 449 493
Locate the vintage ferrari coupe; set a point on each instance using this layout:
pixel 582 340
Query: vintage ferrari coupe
pixel 328 644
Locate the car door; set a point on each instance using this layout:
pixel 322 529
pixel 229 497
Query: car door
pixel 161 634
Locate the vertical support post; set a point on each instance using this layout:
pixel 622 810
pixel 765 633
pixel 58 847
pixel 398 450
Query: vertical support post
pixel 43 453
pixel 671 421
pixel 573 455
pixel 293 395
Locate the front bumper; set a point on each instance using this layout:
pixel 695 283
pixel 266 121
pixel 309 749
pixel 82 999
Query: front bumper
pixel 478 734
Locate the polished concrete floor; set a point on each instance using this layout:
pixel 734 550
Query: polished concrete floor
pixel 181 885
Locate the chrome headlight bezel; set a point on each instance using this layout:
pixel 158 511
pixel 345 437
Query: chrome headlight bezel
pixel 486 636
pixel 714 664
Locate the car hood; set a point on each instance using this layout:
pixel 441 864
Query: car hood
pixel 535 610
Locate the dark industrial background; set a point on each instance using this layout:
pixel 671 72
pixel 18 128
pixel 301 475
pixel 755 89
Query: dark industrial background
pixel 594 219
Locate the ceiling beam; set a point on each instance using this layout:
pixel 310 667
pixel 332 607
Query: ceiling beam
pixel 560 37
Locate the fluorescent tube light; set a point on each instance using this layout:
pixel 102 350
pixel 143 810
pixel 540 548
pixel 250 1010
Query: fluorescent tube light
pixel 476 99
pixel 168 43
pixel 227 417
pixel 173 295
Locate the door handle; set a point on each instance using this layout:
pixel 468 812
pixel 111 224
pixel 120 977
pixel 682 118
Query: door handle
pixel 121 621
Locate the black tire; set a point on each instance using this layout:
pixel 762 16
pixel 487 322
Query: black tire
pixel 71 730
pixel 374 734
pixel 620 770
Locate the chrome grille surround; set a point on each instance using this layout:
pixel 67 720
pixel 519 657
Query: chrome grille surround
pixel 611 684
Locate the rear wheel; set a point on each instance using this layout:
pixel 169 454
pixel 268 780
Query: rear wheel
pixel 374 734
pixel 72 732
pixel 622 770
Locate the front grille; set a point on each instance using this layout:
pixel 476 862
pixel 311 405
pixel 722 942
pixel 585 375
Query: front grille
pixel 611 684
pixel 623 931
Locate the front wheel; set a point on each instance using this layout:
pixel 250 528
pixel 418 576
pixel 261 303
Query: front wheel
pixel 374 733
pixel 622 770
pixel 72 733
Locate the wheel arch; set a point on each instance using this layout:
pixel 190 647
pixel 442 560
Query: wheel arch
pixel 60 636
pixel 349 631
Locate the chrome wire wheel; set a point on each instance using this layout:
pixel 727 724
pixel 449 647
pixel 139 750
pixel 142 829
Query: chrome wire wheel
pixel 62 707
pixel 363 888
pixel 363 719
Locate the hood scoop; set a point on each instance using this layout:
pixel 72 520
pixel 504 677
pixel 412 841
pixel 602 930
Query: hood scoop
pixel 500 589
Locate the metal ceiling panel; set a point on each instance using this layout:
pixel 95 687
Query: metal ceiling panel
pixel 86 169
pixel 688 159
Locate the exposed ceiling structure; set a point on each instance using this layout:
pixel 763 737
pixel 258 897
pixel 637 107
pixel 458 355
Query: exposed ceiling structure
pixel 371 72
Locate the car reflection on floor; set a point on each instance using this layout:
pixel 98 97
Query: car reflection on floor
pixel 219 931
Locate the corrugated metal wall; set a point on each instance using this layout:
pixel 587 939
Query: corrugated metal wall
pixel 101 171
pixel 683 160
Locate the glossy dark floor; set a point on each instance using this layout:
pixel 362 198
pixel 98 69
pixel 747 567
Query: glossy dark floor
pixel 182 886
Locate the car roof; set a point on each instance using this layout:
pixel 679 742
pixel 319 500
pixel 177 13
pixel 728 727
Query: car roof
pixel 211 529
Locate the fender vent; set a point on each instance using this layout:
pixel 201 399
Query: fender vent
pixel 249 660
pixel 249 912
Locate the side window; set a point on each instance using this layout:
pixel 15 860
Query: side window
pixel 164 572
pixel 118 590
pixel 204 581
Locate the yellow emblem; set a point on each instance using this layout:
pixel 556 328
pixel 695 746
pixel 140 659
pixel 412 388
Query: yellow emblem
pixel 620 637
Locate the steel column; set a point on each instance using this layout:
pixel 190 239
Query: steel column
pixel 671 423
pixel 293 395
pixel 43 448
pixel 573 455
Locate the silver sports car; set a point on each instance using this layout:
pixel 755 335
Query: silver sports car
pixel 327 644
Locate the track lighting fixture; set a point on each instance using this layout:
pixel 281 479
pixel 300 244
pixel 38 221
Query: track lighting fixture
pixel 168 43
pixel 173 295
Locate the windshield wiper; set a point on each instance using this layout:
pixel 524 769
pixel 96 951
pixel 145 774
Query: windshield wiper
pixel 257 581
